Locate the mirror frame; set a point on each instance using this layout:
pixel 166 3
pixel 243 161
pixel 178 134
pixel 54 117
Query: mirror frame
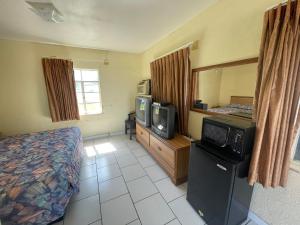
pixel 196 71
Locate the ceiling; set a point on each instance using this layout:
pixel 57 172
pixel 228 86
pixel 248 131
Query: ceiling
pixel 119 25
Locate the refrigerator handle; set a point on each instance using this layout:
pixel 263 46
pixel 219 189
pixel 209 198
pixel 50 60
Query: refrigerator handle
pixel 221 167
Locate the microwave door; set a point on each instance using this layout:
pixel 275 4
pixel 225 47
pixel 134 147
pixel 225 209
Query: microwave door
pixel 215 134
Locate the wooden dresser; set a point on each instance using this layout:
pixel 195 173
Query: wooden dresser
pixel 172 155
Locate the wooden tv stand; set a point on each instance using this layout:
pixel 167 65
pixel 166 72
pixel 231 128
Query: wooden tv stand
pixel 172 155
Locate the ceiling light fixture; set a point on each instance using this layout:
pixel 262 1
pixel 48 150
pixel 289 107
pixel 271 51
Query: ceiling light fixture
pixel 47 11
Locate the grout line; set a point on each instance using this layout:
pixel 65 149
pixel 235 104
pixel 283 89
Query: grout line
pixel 131 199
pixel 146 197
pixel 133 221
pixel 99 198
pixel 114 198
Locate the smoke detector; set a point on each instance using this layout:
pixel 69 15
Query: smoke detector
pixel 47 11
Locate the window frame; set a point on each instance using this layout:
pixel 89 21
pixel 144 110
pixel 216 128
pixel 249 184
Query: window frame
pixel 81 81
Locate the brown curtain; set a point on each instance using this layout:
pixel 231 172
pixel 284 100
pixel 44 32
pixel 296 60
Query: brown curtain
pixel 171 82
pixel 61 92
pixel 277 96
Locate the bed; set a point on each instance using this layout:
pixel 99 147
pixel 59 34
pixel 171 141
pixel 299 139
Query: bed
pixel 39 172
pixel 239 106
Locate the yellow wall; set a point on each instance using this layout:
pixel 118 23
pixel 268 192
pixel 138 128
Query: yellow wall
pixel 24 104
pixel 237 81
pixel 209 87
pixel 216 86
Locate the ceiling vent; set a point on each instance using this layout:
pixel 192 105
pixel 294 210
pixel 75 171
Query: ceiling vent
pixel 47 11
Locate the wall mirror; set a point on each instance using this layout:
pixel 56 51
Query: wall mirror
pixel 226 88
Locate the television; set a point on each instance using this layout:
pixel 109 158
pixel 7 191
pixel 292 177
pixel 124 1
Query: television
pixel 143 110
pixel 163 120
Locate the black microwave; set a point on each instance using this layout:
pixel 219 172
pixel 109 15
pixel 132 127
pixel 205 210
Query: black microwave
pixel 228 134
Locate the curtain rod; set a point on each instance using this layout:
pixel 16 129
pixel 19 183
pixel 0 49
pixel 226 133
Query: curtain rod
pixel 189 44
pixel 276 5
pixel 85 60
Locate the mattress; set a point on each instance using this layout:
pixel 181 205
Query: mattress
pixel 234 109
pixel 39 173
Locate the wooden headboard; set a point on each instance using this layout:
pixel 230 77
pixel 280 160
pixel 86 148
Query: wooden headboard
pixel 243 100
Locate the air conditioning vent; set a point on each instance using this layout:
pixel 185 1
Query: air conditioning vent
pixel 47 11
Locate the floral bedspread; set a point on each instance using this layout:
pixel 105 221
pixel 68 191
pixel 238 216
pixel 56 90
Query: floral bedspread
pixel 39 172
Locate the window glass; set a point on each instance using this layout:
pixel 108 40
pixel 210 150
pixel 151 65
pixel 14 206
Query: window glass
pixel 88 91
pixel 77 74
pixel 91 87
pixel 89 75
pixel 92 97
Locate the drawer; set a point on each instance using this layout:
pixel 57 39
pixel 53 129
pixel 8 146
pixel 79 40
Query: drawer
pixel 142 134
pixel 162 163
pixel 167 154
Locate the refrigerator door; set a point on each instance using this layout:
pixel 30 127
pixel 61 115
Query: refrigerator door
pixel 210 185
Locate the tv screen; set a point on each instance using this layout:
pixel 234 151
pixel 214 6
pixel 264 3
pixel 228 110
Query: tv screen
pixel 160 118
pixel 140 109
pixel 163 120
pixel 143 110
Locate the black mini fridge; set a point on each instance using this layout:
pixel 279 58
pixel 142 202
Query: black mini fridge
pixel 218 168
pixel 217 187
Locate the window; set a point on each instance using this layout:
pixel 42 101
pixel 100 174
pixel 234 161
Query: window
pixel 88 91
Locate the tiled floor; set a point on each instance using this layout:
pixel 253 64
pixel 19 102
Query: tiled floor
pixel 121 184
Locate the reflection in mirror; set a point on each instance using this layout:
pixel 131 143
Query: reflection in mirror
pixel 226 90
pixel 296 154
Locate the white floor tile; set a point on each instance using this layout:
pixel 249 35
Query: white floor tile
pixel 146 161
pixel 108 172
pixel 87 161
pixel 88 187
pixel 100 140
pixel 97 223
pixel 132 172
pixel 141 188
pixel 112 188
pixel 88 172
pixel 185 213
pixel 136 222
pixel 83 212
pixel 156 173
pixel 154 210
pixel 122 151
pixel 169 190
pixel 174 222
pixel 119 211
pixel 139 152
pixel 133 144
pixel 119 144
pixel 104 149
pixel 106 160
pixel 126 160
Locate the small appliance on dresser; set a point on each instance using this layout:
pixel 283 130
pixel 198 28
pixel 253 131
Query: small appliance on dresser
pixel 217 184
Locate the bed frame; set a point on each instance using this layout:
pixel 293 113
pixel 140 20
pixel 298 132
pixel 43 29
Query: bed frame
pixel 243 100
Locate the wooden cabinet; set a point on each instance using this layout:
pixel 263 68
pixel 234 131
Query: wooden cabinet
pixel 172 155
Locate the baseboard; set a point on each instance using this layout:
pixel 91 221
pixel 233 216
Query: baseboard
pixel 256 219
pixel 104 135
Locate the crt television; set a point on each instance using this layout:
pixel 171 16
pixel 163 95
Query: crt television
pixel 163 120
pixel 143 110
